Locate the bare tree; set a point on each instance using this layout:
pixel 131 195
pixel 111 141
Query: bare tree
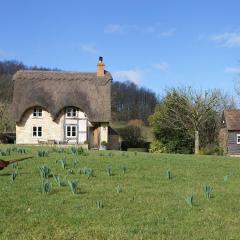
pixel 189 110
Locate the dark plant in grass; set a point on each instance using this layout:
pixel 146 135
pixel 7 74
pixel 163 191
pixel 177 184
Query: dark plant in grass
pixel 21 150
pixel 110 154
pixel 75 162
pixel 208 191
pixel 44 171
pixel 59 150
pixel 46 187
pixel 5 152
pixel 189 200
pixel 74 151
pixel 73 186
pixel 89 172
pixel 101 154
pixel 119 189
pixel 15 165
pixel 99 204
pixel 168 174
pixel 109 171
pixel 63 163
pixel 58 180
pixel 124 169
pixel 135 153
pixel 42 153
pixel 13 176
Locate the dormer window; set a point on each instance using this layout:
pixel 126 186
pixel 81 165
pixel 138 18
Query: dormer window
pixel 37 112
pixel 71 112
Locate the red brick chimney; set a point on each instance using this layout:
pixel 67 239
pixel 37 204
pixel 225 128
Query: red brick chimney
pixel 100 67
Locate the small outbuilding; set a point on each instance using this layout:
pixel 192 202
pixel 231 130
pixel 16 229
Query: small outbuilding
pixel 229 136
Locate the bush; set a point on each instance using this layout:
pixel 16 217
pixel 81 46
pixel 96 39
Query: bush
pixel 157 147
pixel 132 135
pixel 211 149
pixel 104 143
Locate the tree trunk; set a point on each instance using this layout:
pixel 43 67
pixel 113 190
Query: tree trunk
pixel 196 151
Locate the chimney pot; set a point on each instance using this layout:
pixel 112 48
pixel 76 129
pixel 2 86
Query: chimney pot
pixel 100 68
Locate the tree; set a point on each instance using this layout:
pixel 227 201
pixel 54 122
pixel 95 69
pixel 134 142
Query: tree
pixel 131 102
pixel 189 114
pixel 6 122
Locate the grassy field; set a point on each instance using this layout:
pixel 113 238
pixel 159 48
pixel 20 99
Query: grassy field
pixel 141 203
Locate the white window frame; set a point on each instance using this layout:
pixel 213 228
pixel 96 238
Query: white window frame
pixel 69 129
pixel 238 138
pixel 37 112
pixel 71 112
pixel 37 131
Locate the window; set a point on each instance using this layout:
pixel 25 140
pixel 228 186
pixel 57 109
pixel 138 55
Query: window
pixel 71 112
pixel 37 131
pixel 238 138
pixel 37 112
pixel 71 131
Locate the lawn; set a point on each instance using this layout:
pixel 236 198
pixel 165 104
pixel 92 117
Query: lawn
pixel 139 201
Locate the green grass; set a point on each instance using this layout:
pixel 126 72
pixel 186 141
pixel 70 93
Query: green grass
pixel 149 205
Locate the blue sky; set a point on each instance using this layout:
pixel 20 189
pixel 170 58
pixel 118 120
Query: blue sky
pixel 155 43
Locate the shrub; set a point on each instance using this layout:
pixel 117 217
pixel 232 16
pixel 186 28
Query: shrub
pixel 104 143
pixel 157 147
pixel 132 135
pixel 136 122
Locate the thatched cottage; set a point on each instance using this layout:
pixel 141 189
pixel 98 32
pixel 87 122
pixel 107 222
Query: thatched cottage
pixel 229 137
pixel 62 107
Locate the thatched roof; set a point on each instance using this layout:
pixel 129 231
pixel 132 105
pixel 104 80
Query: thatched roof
pixel 55 90
pixel 232 119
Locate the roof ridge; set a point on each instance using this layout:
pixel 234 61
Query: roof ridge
pixel 52 71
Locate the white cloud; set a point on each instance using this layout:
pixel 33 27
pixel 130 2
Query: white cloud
pixel 234 70
pixel 119 29
pixel 134 75
pixel 163 66
pixel 89 48
pixel 168 33
pixel 114 28
pixel 227 39
pixel 149 29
